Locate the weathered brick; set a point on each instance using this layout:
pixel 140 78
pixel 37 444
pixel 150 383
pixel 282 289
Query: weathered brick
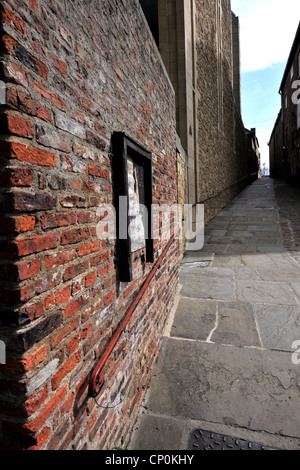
pixel 37 423
pixel 49 301
pixel 86 217
pixel 12 46
pixel 89 248
pixel 109 297
pixel 75 184
pixel 35 401
pixel 50 138
pixel 90 279
pixel 74 235
pixel 33 4
pixel 27 363
pixel 64 332
pixel 96 171
pixel 76 166
pixel 77 285
pixel 58 220
pixel 25 153
pixel 75 305
pixel 16 125
pixel 36 244
pixel 60 65
pixel 66 369
pixel 71 126
pixel 75 270
pixel 57 259
pixel 27 269
pixel 25 339
pixel 20 177
pixel 73 344
pixel 50 95
pixel 21 101
pixel 67 405
pixel 63 295
pixel 84 152
pixel 8 17
pixel 39 286
pixel 97 260
pixel 88 186
pixel 17 224
pixel 29 202
pixel 16 74
pixel 74 201
pixel 95 140
pixel 32 311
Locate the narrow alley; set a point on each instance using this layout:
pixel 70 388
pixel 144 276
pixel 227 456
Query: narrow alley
pixel 228 363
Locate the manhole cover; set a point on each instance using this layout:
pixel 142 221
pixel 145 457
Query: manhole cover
pixel 206 440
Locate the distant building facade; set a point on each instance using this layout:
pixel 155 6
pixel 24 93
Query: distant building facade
pixel 277 161
pixel 254 165
pixel 285 139
pixel 199 44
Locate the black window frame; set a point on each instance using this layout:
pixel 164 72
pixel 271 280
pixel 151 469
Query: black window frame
pixel 123 148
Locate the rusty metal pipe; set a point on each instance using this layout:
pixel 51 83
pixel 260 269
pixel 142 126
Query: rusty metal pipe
pixel 97 378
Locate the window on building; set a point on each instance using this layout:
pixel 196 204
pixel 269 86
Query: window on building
pixel 150 9
pixel 132 178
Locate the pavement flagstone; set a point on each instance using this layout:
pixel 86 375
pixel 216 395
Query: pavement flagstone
pixel 227 361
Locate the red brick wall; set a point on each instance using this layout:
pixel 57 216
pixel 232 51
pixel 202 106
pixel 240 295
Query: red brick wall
pixel 73 75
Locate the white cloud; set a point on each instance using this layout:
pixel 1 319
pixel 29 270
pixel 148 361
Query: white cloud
pixel 267 31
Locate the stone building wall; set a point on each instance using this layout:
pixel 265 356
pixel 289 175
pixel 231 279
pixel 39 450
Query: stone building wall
pixel 222 158
pixel 199 44
pixel 74 73
pixel 277 169
pixel 290 93
pixel 236 61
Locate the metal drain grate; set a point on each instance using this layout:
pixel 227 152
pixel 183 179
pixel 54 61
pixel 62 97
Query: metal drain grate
pixel 206 440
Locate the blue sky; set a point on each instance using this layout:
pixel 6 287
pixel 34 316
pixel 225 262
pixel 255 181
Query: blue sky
pixel 267 31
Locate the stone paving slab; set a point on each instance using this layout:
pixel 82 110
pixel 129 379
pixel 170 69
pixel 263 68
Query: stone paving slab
pixel 226 261
pixel 257 261
pixel 226 384
pixel 280 275
pixel 208 283
pixel 194 318
pixel 279 325
pixel 235 325
pixel 259 292
pixel 226 359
